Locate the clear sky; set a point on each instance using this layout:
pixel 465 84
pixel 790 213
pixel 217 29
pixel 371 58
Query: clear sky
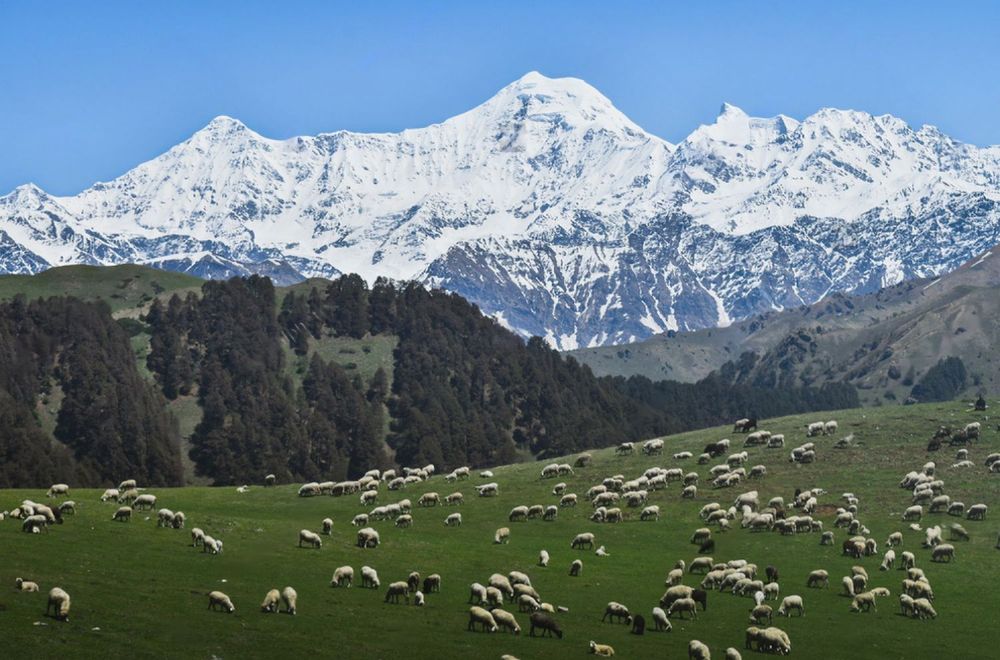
pixel 90 89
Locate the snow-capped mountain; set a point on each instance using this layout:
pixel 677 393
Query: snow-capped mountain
pixel 547 207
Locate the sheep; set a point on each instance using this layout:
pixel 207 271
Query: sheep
pixel 311 538
pixel 179 520
pixel 123 514
pixel 701 535
pixel 577 566
pixel 617 611
pixel 602 552
pixel 128 496
pixel 57 489
pixel 502 535
pixel 958 533
pixel 144 501
pixel 546 624
pixel 943 552
pixel 270 480
pixel 34 524
pixel 761 614
pixel 603 650
pixel 896 538
pixel 769 639
pixel 660 621
pixel 288 599
pixel 698 651
pixel 689 492
pixel 429 499
pixel 864 601
pixel 976 512
pixel 432 583
pixel 581 540
pixel 826 538
pixel 814 429
pixel 923 609
pixel 271 599
pixel 791 603
pixel 403 521
pixel 830 427
pixel 543 558
pixel 110 494
pixel 906 604
pixel 344 576
pixel 25 585
pixel 395 590
pixel 907 560
pixel 217 599
pixel 368 538
pixel 164 518
pixel 506 620
pixel 682 605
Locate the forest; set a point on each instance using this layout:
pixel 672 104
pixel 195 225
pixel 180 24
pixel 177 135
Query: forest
pixel 463 390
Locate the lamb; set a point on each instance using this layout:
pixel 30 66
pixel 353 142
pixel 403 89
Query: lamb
pixel 395 590
pixel 123 514
pixel 311 538
pixel 506 620
pixel 57 489
pixel 617 611
pixel 888 559
pixel 217 599
pixel 698 651
pixel 581 540
pixel 943 552
pixel 771 591
pixel 271 599
pixel 502 535
pixel 25 585
pixel 543 558
pixel 660 620
pixel 546 624
pixel 602 650
pixel 288 599
pixel 577 566
pixel 343 576
pixel 791 603
pixel 602 552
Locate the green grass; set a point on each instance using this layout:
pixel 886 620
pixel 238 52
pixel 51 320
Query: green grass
pixel 362 357
pixel 125 288
pixel 144 588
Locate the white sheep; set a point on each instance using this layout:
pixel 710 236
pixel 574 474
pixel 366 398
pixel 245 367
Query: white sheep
pixel 477 593
pixel 110 494
pixel 310 538
pixel 197 537
pixel 791 603
pixel 943 552
pixel 682 605
pixel 327 526
pixel 543 558
pixel 698 651
pixel 502 535
pixel 288 599
pixel 660 620
pixel 478 615
pixel 57 489
pixel 25 585
pixel 123 514
pixel 271 600
pixel 923 609
pixel 144 501
pixel 368 538
pixel 506 620
pixel 580 540
pixel 603 650
pixel 58 603
pixel 397 589
pixel 343 576
pixel 217 599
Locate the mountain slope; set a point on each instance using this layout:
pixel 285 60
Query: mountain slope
pixel 548 208
pixel 879 342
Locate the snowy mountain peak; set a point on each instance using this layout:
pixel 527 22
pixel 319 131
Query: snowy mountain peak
pixel 549 208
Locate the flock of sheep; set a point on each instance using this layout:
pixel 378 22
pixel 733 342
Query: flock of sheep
pixel 611 501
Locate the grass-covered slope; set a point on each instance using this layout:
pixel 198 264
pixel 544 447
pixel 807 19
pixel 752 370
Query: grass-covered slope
pixel 139 591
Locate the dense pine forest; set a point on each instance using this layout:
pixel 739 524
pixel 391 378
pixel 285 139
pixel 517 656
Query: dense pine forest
pixel 457 388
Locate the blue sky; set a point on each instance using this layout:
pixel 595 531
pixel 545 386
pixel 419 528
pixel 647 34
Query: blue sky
pixel 91 89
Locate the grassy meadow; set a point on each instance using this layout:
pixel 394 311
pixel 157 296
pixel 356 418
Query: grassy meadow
pixel 140 592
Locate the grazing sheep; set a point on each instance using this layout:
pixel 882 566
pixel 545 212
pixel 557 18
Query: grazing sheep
pixel 57 489
pixel 368 538
pixel 864 601
pixel 34 524
pixel 581 540
pixel 923 609
pixel 270 480
pixel 395 590
pixel 772 590
pixel 942 553
pixel 506 620
pixel 906 604
pixel 217 599
pixel 502 535
pixel 888 559
pixel 123 514
pixel 896 538
pixel 698 651
pixel 546 624
pixel 638 625
pixel 110 494
pixel 733 654
pixel 288 599
pixel 543 558
pixel 602 650
pixel 271 600
pixel 344 577
pixel 144 501
pixel 761 614
pixel 682 605
pixel 959 533
pixel 67 507
pixel 164 518
pixel 791 603
pixel 660 620
pixel 577 566
pixel 327 526
pixel 976 512
pixel 617 611
pixel 432 583
pixel 311 538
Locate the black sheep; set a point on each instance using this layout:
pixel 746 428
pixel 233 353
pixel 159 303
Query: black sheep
pixel 772 574
pixel 546 624
pixel 700 596
pixel 638 625
pixel 706 548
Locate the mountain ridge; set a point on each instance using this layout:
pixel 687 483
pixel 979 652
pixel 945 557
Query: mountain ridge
pixel 547 207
